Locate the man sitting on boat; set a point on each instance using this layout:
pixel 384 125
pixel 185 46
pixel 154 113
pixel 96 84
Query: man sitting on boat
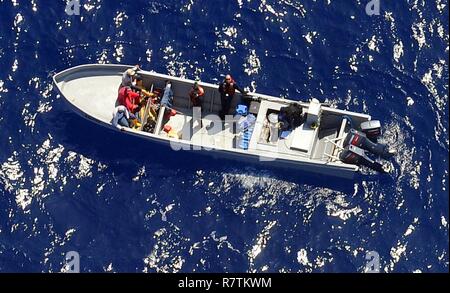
pixel 227 90
pixel 121 117
pixel 130 99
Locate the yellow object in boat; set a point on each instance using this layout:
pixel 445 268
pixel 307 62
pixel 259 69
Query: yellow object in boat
pixel 135 124
pixel 147 93
pixel 173 134
pixel 152 114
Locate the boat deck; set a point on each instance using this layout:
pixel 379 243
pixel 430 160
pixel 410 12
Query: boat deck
pixel 224 135
pixel 201 133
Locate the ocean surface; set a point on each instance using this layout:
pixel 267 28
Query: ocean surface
pixel 125 205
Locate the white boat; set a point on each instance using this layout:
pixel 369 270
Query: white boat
pixel 92 90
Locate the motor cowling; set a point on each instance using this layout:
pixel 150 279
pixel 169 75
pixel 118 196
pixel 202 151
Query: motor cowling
pixel 372 129
pixel 356 156
pixel 360 140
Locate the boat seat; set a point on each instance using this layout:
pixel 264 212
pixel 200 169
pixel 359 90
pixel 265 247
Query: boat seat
pixel 303 138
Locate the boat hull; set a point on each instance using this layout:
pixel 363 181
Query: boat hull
pixel 217 154
pixel 171 145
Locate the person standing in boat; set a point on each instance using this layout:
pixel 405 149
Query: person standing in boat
pixel 167 99
pixel 195 94
pixel 227 90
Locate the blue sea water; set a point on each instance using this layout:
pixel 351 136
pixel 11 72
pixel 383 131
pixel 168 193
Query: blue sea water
pixel 128 206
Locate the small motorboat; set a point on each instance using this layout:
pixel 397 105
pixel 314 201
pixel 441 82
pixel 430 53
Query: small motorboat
pixel 328 141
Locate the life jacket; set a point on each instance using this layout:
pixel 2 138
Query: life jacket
pixel 199 91
pixel 228 88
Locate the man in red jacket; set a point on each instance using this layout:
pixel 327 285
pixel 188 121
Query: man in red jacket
pixel 195 94
pixel 131 100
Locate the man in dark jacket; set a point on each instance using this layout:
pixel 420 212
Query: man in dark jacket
pixel 227 90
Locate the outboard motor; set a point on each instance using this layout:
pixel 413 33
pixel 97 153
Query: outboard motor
pixel 355 156
pixel 372 129
pixel 360 140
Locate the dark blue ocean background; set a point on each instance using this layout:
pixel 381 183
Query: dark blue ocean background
pixel 128 206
